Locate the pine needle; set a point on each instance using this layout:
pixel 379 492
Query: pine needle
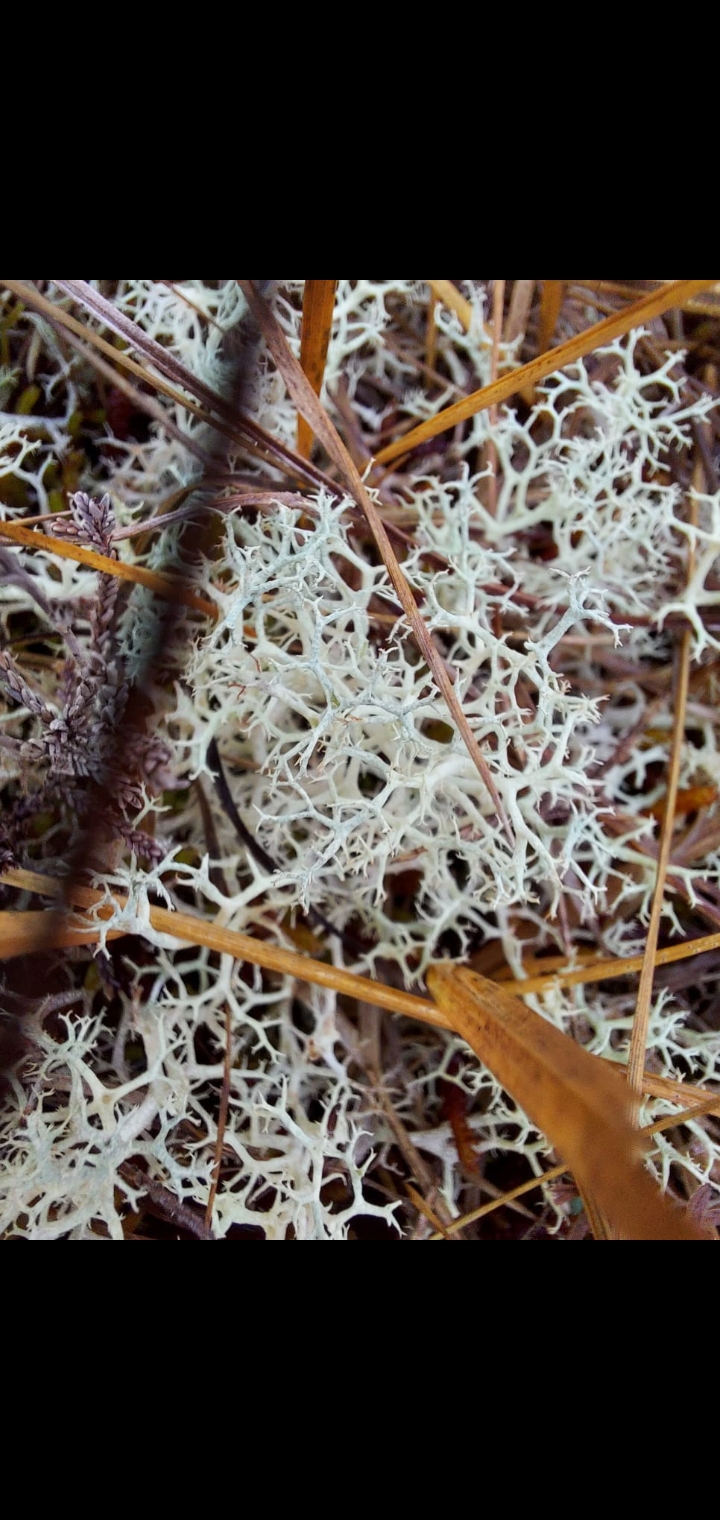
pixel 196 931
pixel 21 933
pixel 520 303
pixel 608 970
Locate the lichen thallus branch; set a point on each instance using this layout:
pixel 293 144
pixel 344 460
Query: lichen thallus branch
pixel 350 944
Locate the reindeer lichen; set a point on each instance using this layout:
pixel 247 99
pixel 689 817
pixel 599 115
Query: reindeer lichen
pixel 342 764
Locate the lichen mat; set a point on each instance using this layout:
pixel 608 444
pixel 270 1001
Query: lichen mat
pixel 547 553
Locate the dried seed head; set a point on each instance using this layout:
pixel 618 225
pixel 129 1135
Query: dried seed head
pixel 93 522
pixel 17 688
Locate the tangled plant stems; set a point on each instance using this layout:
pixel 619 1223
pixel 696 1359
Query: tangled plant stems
pixel 547 554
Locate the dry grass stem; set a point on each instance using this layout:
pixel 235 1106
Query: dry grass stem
pixel 20 932
pixel 638 1039
pixel 550 304
pixel 520 304
pixel 675 295
pixel 197 931
pixel 641 1022
pixel 163 585
pixel 704 306
pixel 318 305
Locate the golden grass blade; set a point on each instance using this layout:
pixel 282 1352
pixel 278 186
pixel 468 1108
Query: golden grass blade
pixel 21 933
pixel 196 931
pixel 603 971
pixel 709 1105
pixel 17 940
pixel 599 1226
pixel 546 364
pixel 490 450
pixel 172 591
pixel 553 1175
pixel 578 1102
pixel 550 304
pixel 704 306
pixel 307 402
pixel 318 307
pixel 423 1208
pixel 676 1091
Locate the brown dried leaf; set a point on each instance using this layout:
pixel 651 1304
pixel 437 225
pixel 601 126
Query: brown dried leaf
pixel 580 1104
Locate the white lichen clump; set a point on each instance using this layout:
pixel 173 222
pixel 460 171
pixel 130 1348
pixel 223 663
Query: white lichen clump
pixel 344 764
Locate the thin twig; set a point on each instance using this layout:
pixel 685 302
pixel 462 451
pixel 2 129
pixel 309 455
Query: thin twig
pixel 197 931
pixel 641 1022
pixel 222 1116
